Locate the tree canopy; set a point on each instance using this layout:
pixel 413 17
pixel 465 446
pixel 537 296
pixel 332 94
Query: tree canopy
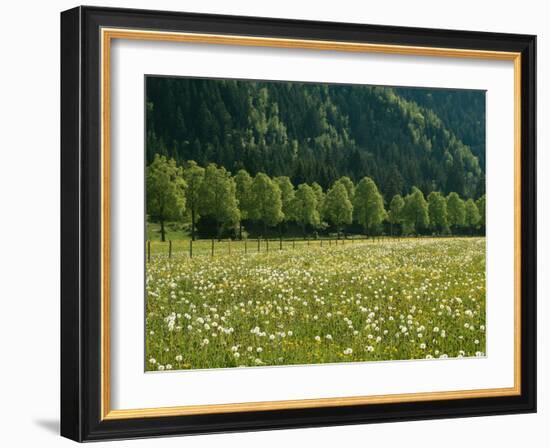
pixel 415 211
pixel 456 210
pixel 211 194
pixel 218 194
pixel 437 209
pixel 400 137
pixel 368 205
pixel 338 207
pixel 165 191
pixel 266 196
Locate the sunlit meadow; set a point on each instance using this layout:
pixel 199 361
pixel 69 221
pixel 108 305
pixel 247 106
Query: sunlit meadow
pixel 392 299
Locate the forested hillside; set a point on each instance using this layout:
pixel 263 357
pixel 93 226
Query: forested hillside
pixel 400 137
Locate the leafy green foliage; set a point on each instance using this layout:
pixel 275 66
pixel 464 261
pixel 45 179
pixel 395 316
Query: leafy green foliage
pixel 456 210
pixel 338 208
pixel 287 196
pixel 243 184
pixel 348 185
pixel 415 212
pixel 437 209
pixel 165 191
pixel 305 207
pixel 211 197
pixel 471 215
pixel 266 197
pixel 320 197
pixel 368 205
pixel 218 195
pixel 395 214
pixel 194 176
pixel 399 137
pixel 481 205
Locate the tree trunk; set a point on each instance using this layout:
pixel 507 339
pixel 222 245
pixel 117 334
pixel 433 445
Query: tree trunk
pixel 193 224
pixel 219 230
pixel 162 231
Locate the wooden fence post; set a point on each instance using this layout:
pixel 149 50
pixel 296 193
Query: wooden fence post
pixel 259 249
pixel 149 250
pixel 191 248
pixel 293 243
pixel 321 242
pixel 245 250
pixel 266 245
pixel 280 243
pixel 212 247
pixel 169 248
pixel 229 245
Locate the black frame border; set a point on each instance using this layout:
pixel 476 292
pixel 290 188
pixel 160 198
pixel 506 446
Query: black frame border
pixel 81 223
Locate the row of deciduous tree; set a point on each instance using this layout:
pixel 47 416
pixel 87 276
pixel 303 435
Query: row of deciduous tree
pixel 189 192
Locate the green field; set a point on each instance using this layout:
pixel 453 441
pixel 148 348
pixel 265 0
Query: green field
pixel 367 301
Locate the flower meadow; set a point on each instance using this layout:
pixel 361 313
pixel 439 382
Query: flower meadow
pixel 416 298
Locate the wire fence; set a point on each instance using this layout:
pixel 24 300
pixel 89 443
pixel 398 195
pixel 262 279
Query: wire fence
pixel 215 247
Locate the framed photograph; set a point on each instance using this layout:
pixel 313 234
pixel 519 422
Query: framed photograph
pixel 276 224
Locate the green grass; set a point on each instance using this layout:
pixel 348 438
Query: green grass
pixel 181 247
pixel 366 301
pixel 174 231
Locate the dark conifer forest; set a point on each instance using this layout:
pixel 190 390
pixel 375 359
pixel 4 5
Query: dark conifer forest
pixel 433 139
